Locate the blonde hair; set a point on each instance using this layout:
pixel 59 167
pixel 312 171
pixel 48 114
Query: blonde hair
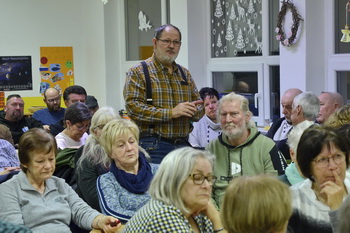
pixel 256 204
pixel 111 131
pixel 339 117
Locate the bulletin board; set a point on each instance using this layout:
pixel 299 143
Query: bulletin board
pixel 56 68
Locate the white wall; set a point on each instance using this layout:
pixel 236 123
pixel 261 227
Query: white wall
pixel 28 25
pixel 303 65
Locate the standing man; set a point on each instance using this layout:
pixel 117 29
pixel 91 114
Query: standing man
pixel 53 113
pixel 71 95
pixel 241 150
pixel 13 117
pixel 164 115
pixel 329 103
pixel 282 126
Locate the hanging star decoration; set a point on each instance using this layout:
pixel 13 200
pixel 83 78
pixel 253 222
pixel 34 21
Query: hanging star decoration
pixel 346 32
pixel 281 36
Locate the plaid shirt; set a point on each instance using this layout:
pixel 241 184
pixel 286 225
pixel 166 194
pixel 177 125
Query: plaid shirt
pixel 168 91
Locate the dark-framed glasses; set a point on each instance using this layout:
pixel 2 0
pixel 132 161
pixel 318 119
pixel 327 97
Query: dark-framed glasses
pixel 54 99
pixel 176 43
pixel 324 162
pixel 199 179
pixel 82 127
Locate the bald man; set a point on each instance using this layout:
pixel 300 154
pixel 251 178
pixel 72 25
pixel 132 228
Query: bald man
pixel 281 127
pixel 53 113
pixel 329 103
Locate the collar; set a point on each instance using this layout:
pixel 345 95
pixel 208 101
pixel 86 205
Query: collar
pixel 211 123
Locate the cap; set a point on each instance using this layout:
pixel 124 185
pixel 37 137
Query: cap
pixel 91 101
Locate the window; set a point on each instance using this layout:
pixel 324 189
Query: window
pixel 241 59
pixel 142 17
pixel 343 85
pixel 339 24
pixel 236 28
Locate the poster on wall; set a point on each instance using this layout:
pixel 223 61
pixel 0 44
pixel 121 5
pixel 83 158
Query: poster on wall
pixel 56 68
pixel 16 73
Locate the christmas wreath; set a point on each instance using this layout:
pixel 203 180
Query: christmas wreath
pixel 281 36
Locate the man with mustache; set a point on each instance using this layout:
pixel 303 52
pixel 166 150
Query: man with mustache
pixel 161 96
pixel 241 150
pixel 13 117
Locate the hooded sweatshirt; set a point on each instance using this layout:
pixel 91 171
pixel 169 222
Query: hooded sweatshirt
pixel 257 155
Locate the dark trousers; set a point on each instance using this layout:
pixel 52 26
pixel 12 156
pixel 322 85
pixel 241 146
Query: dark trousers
pixel 158 147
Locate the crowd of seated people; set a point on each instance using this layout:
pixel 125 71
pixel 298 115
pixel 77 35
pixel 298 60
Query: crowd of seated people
pixel 115 176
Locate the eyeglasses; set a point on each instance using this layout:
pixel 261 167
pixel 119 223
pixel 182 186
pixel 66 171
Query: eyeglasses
pixel 168 42
pixel 324 162
pixel 54 100
pixel 199 179
pixel 82 127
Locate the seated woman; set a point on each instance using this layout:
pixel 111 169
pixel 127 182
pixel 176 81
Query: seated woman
pixel 264 204
pixel 90 156
pixel 76 122
pixel 208 127
pixel 292 174
pixel 40 201
pixel 124 189
pixel 180 192
pixel 8 158
pixel 323 157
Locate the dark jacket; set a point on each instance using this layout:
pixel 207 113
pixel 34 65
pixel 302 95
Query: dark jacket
pixel 20 127
pixel 281 144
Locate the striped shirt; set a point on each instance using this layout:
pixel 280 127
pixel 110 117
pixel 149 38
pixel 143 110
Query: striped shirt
pixel 168 90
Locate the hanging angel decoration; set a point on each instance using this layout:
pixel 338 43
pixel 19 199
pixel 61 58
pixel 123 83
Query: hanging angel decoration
pixel 143 24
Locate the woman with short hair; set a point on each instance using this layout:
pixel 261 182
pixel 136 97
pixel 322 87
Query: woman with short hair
pixel 76 122
pixel 180 191
pixel 40 201
pixel 323 158
pixel 124 189
pixel 256 204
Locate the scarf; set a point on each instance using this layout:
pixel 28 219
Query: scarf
pixel 134 183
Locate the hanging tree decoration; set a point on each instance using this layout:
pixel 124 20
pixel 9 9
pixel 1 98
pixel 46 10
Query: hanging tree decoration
pixel 229 32
pixel 281 36
pixel 218 9
pixel 346 32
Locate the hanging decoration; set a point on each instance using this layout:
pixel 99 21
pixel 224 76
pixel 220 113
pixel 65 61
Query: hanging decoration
pixel 281 36
pixel 346 32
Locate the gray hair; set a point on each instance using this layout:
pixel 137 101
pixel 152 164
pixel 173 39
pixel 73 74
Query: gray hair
pixel 310 104
pixel 295 134
pixel 173 172
pixel 93 151
pixel 244 106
